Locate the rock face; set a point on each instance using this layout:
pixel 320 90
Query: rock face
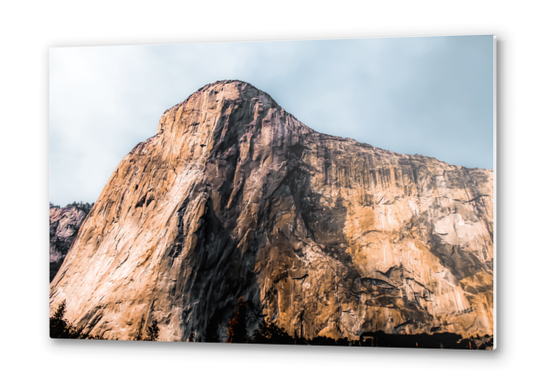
pixel 321 235
pixel 63 226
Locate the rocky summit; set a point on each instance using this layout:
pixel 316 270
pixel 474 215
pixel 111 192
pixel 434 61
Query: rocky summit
pixel 320 235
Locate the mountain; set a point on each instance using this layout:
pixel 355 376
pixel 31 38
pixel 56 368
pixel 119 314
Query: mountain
pixel 320 235
pixel 64 222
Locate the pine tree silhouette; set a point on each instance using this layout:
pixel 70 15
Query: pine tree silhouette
pixel 60 328
pixel 237 327
pixel 153 331
pixel 269 333
pixel 212 331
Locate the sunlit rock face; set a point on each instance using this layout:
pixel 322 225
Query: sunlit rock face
pixel 64 222
pixel 321 235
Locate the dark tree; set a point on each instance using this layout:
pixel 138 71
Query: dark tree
pixel 153 331
pixel 192 337
pixel 212 331
pixel 140 336
pixel 269 333
pixel 60 328
pixel 237 327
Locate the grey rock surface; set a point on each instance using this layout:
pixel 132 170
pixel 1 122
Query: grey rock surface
pixel 64 222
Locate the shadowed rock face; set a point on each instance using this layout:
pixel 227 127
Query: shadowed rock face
pixel 63 226
pixel 322 235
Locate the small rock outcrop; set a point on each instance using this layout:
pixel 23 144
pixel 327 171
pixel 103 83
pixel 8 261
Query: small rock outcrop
pixel 63 226
pixel 321 235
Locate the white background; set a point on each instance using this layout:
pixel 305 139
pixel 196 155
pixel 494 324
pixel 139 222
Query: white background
pixel 29 29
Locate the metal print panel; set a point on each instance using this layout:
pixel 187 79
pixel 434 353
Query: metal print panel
pixel 336 192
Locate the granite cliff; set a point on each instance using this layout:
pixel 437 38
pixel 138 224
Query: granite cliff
pixel 320 235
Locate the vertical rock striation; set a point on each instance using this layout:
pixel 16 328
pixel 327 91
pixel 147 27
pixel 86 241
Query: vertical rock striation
pixel 321 235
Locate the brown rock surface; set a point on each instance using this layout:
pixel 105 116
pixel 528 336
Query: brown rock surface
pixel 322 235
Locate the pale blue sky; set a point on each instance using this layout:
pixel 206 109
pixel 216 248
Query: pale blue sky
pixel 427 95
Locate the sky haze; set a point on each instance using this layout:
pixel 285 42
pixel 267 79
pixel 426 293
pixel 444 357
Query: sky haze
pixel 427 95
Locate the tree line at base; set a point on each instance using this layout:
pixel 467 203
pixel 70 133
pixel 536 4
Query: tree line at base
pixel 60 328
pixel 270 333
